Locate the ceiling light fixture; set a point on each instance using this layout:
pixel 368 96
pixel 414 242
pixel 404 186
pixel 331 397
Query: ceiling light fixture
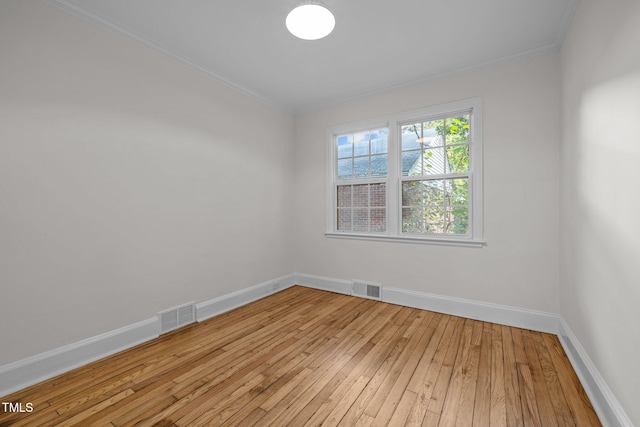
pixel 310 22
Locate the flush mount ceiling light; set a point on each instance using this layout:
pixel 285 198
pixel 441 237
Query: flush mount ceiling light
pixel 310 22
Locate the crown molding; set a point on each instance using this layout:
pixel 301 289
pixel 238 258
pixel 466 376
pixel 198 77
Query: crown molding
pixel 151 44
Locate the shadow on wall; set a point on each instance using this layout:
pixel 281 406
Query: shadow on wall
pixel 606 238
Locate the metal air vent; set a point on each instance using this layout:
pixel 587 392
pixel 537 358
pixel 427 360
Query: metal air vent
pixel 367 290
pixel 177 317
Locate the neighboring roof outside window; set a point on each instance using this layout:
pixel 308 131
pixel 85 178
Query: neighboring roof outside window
pixel 410 159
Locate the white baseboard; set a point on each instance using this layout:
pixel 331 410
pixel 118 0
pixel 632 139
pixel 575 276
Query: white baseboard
pixel 32 370
pixel 478 310
pixel 505 315
pixel 602 398
pixel 219 305
pixel 23 373
pixel 323 283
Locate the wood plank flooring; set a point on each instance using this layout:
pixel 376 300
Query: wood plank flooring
pixel 308 357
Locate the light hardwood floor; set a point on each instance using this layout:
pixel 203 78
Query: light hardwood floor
pixel 309 357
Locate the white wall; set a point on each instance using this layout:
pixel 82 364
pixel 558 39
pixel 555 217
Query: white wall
pixel 519 266
pixel 600 275
pixel 128 183
pixel 123 187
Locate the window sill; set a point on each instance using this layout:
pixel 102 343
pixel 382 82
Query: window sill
pixel 406 239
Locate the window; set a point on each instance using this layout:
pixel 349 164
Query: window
pixel 415 176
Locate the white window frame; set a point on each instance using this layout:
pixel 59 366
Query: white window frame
pixel 475 237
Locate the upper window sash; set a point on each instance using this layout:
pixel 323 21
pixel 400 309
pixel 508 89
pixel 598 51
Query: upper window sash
pixel 362 154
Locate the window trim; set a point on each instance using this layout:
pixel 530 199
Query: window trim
pixel 394 176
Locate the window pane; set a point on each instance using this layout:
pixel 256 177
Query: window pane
pixel 345 146
pixel 433 133
pixel 433 192
pixel 412 193
pixel 433 161
pixel 379 145
pixel 344 196
pixel 423 193
pixel 378 220
pixel 418 135
pixel 361 195
pixel 411 164
pixel 378 195
pixel 360 219
pixel 412 220
pixel 361 144
pixel 344 219
pixel 458 129
pixel 361 167
pixel 434 218
pixel 457 220
pixel 457 191
pixel 345 168
pixel 458 158
pixel 379 165
pixel 410 135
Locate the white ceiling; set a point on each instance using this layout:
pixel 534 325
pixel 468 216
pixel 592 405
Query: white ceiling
pixel 376 45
